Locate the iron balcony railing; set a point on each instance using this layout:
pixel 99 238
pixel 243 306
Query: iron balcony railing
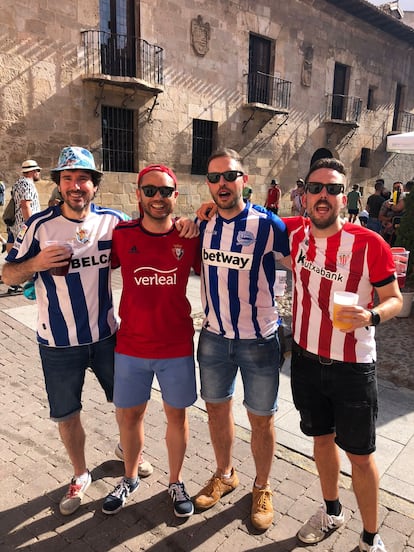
pixel 406 121
pixel 346 109
pixel 121 55
pixel 268 90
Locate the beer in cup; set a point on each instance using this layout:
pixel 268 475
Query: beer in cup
pixel 341 299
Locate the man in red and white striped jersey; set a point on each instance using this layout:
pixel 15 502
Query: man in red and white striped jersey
pixel 333 371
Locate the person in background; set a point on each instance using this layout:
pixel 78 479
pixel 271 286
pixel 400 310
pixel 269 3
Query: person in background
pixel 55 197
pixel 296 198
pixel 373 207
pixel 156 332
pixel 354 203
pixel 273 197
pixel 333 375
pixel 2 192
pixel 239 245
pixel 247 194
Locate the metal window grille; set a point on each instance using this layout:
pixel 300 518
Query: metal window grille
pixel 118 139
pixel 204 133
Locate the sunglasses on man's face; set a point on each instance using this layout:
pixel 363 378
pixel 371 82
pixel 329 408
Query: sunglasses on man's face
pixel 150 191
pixel 229 176
pixel 317 187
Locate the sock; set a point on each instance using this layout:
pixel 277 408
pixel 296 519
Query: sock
pixel 333 507
pixel 226 475
pixel 368 537
pixel 131 480
pixel 83 478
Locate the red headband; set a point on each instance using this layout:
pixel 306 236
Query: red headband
pixel 154 167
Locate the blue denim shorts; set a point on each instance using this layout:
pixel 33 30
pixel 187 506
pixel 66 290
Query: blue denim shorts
pixel 340 398
pixel 134 377
pixel 64 372
pixel 258 359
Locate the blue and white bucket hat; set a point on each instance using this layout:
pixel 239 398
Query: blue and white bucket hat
pixel 73 157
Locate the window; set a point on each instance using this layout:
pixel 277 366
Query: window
pixel 371 99
pixel 364 159
pixel 117 21
pixel 398 106
pixel 118 139
pixel 204 137
pixel 260 81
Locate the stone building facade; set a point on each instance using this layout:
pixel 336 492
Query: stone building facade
pixel 141 81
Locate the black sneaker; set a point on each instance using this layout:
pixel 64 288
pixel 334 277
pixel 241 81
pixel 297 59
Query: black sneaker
pixel 183 507
pixel 116 500
pixel 15 290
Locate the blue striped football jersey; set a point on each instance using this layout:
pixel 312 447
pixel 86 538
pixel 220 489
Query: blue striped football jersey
pixel 75 309
pixel 238 272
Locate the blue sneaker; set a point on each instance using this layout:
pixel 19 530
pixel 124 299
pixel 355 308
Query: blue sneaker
pixel 183 507
pixel 115 501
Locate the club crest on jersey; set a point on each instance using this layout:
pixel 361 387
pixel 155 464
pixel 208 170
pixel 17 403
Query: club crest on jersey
pixel 244 237
pixel 343 259
pixel 178 251
pixel 82 236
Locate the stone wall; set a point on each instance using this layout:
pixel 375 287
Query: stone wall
pixel 47 105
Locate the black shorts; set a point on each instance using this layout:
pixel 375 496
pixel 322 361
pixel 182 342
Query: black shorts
pixel 353 211
pixel 340 398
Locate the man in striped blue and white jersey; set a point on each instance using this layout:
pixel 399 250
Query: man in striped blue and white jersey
pixel 240 245
pixel 76 321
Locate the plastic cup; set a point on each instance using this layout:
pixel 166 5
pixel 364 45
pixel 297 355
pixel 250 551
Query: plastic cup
pixel 341 299
pixel 280 283
pixel 400 256
pixel 61 270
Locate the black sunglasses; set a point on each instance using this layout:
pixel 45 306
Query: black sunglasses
pixel 229 176
pixel 150 191
pixel 317 187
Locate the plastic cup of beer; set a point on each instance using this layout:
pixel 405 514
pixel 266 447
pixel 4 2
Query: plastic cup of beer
pixel 61 270
pixel 280 283
pixel 341 299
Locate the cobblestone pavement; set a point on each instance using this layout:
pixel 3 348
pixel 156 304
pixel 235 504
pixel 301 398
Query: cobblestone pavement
pixel 35 473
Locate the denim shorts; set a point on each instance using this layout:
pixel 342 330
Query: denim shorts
pixel 64 372
pixel 134 376
pixel 258 359
pixel 340 398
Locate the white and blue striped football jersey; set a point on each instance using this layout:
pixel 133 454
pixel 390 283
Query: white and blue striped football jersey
pixel 76 309
pixel 238 272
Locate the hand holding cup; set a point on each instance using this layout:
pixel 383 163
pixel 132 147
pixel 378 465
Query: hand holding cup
pixel 63 252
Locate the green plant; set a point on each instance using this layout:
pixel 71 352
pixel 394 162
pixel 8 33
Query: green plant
pixel 405 237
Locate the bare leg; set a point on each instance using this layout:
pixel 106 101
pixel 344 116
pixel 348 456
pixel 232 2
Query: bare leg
pixel 365 481
pixel 221 425
pixel 328 463
pixel 131 431
pixel 176 439
pixel 73 437
pixel 263 446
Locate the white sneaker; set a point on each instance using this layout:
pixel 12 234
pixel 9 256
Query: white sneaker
pixel 144 467
pixel 73 498
pixel 378 545
pixel 319 526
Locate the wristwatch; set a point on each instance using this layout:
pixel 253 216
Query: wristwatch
pixel 375 318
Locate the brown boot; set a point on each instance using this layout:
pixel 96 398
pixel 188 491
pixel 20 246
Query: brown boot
pixel 216 488
pixel 262 508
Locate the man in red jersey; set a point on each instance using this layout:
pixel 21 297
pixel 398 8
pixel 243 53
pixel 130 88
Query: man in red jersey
pixel 333 371
pixel 156 332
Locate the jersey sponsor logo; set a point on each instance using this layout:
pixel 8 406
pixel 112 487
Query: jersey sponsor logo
pixel 93 260
pixel 150 276
pixel 224 259
pixel 244 237
pixel 133 249
pixel 324 272
pixel 178 251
